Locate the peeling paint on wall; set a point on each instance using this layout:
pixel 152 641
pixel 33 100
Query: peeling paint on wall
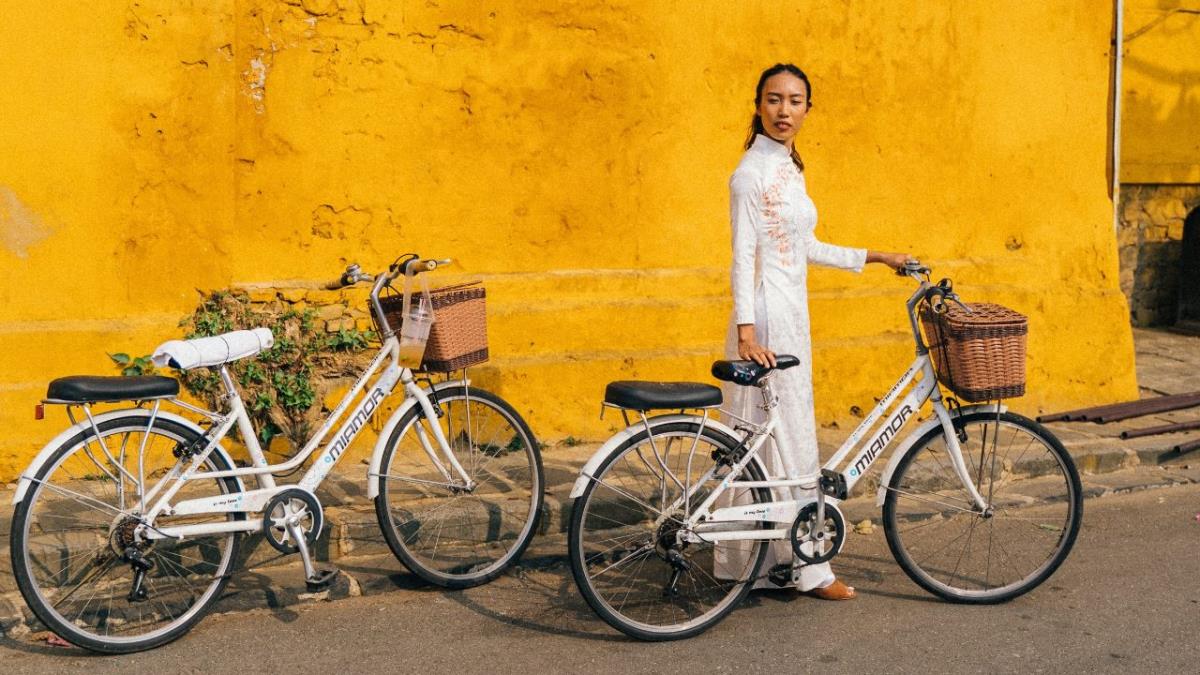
pixel 20 228
pixel 347 222
pixel 256 82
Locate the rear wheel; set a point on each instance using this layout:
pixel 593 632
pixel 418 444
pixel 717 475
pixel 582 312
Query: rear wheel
pixel 958 552
pixel 79 558
pixel 627 550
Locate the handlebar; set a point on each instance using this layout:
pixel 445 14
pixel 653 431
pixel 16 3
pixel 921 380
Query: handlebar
pixel 409 264
pixel 351 276
pixel 935 295
pixel 914 269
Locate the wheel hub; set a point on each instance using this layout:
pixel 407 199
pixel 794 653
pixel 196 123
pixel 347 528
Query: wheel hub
pixel 667 537
pixel 123 535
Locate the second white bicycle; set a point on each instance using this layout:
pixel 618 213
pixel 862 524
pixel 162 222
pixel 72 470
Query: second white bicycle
pixel 127 524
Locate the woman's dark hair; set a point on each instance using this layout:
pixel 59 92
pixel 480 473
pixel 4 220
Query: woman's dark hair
pixel 756 125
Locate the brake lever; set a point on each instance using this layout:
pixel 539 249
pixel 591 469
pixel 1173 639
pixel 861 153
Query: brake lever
pixel 954 298
pixel 350 276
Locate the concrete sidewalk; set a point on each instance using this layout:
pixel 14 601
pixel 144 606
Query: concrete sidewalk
pixel 1166 364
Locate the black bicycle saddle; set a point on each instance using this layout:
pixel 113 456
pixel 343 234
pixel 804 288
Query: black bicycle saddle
pixel 749 373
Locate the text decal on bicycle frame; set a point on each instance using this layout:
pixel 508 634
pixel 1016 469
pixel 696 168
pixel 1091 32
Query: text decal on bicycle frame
pixel 345 435
pixel 354 425
pixel 881 441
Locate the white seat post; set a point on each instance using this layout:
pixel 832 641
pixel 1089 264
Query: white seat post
pixel 249 437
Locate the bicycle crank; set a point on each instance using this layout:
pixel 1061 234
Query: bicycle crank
pixel 293 506
pixel 813 543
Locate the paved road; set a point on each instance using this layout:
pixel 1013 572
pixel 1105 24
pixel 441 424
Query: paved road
pixel 1128 600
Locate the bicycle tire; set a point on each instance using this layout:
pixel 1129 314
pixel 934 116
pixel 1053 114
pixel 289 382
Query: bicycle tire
pixel 99 620
pixel 1036 501
pixel 591 513
pixel 498 519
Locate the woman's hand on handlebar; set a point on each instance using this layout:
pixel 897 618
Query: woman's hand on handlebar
pixel 892 260
pixel 749 349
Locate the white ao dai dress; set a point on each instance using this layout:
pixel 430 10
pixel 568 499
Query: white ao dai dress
pixel 773 223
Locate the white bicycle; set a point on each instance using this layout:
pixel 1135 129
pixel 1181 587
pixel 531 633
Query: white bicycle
pixel 127 524
pixel 673 516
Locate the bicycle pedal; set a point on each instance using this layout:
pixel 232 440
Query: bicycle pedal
pixel 833 484
pixel 780 575
pixel 321 579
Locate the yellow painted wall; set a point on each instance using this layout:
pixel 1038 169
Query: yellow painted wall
pixel 1160 115
pixel 575 156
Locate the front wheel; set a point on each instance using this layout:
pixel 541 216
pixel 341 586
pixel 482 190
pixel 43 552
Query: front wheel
pixel 958 552
pixel 447 535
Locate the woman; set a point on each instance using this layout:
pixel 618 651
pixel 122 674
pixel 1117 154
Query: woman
pixel 773 241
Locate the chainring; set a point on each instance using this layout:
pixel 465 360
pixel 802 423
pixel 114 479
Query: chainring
pixel 833 531
pixel 299 501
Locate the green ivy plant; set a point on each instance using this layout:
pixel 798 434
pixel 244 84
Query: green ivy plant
pixel 282 385
pixel 132 366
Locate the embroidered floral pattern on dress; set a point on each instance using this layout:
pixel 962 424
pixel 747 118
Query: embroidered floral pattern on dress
pixel 778 229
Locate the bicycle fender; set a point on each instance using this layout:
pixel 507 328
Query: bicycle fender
pixel 593 463
pixel 916 435
pixel 43 456
pixel 393 421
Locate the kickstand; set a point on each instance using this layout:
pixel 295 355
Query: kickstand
pixel 316 579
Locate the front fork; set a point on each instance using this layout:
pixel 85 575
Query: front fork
pixel 956 458
pixel 439 439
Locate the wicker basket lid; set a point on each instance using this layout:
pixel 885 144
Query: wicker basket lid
pixel 984 314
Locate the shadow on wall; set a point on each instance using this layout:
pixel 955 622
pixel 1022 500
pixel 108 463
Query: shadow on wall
pixel 1189 273
pixel 1161 101
pixel 1166 283
pixel 1156 283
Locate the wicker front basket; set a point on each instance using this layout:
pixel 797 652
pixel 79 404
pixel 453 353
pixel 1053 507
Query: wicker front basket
pixel 458 337
pixel 980 356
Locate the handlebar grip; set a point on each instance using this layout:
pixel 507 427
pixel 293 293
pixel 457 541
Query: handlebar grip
pixel 415 266
pixel 333 285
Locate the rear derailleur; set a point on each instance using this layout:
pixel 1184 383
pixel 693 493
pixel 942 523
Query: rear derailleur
pixel 669 546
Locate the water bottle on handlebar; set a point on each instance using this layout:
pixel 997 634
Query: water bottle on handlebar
pixel 414 332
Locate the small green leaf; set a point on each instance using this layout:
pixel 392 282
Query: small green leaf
pixel 120 359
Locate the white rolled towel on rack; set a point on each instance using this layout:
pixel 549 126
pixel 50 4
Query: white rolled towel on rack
pixel 212 351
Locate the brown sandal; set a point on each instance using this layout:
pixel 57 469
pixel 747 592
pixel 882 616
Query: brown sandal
pixel 835 591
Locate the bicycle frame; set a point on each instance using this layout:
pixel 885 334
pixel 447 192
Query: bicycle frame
pixel 387 372
pixel 860 447
pixel 254 500
pixel 703 523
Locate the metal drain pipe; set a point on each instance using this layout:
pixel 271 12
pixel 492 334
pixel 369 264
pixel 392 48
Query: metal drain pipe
pixel 1118 46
